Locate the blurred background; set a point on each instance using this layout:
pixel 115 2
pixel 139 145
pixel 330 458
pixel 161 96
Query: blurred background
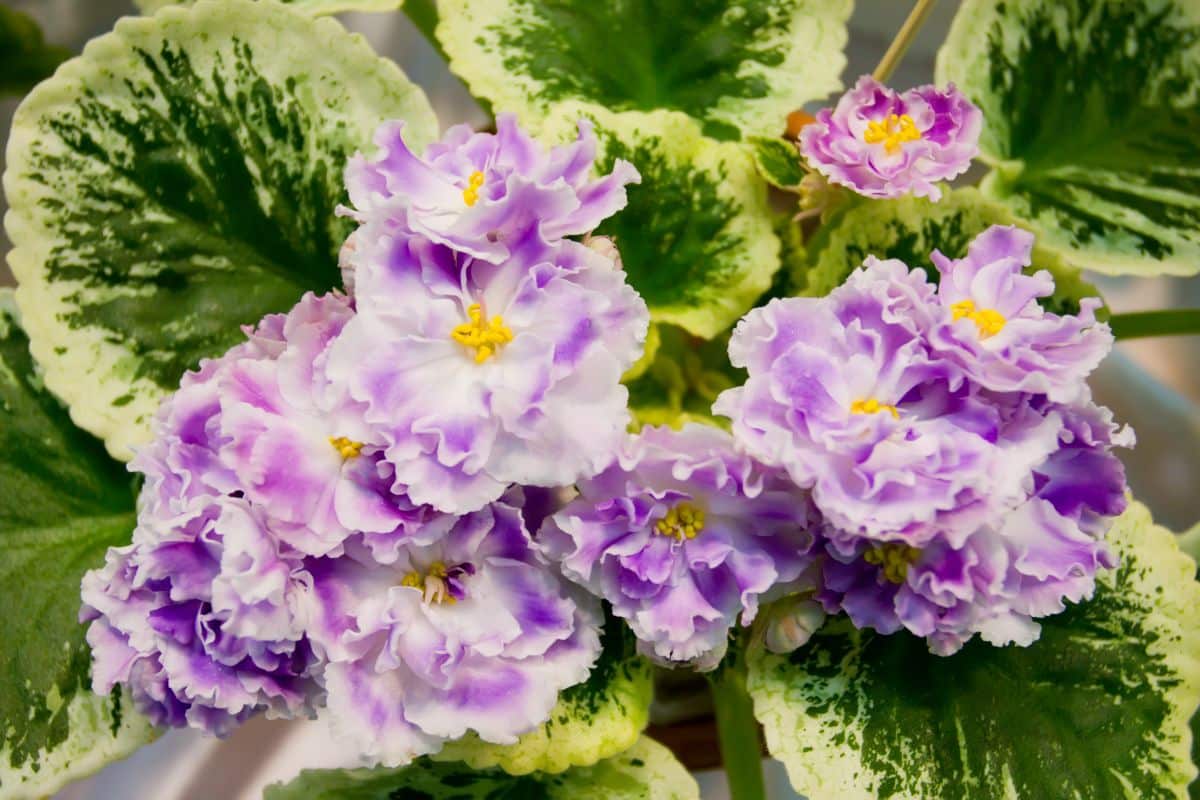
pixel 1152 384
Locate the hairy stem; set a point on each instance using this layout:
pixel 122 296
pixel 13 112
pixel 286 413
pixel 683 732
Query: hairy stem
pixel 899 46
pixel 737 731
pixel 1155 323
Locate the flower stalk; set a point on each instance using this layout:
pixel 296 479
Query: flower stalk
pixel 899 46
pixel 738 733
pixel 1140 324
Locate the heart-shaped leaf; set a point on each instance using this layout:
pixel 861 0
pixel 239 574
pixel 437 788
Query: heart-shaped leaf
pixel 63 502
pixel 178 180
pixel 739 67
pixel 1098 707
pixel 1091 110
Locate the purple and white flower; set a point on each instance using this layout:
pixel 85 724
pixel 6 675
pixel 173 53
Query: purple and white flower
pixel 992 327
pixel 473 632
pixel 200 622
pixel 299 447
pixel 844 394
pixel 882 143
pixel 479 193
pixel 475 376
pixel 682 534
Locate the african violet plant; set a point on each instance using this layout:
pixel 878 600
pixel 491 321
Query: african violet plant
pixel 450 439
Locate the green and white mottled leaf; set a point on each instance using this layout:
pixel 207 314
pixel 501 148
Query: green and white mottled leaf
pixel 739 67
pixel 778 161
pixel 1097 708
pixel 100 730
pixel 683 379
pixel 25 58
pixel 314 7
pixel 597 719
pixel 696 237
pixel 646 771
pixel 178 180
pixel 1091 111
pixel 63 502
pixel 911 228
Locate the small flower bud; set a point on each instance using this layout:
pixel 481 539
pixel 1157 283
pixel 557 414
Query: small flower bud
pixel 792 623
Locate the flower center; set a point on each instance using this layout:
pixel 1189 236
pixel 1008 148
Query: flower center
pixel 471 193
pixel 683 521
pixel 894 130
pixel 440 584
pixel 872 406
pixel 484 335
pixel 894 558
pixel 989 321
pixel 347 448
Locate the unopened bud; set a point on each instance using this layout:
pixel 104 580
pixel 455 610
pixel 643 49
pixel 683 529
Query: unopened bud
pixel 792 623
pixel 605 246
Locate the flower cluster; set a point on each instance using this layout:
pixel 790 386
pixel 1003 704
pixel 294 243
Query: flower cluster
pixel 883 143
pixel 332 514
pixel 962 471
pixel 401 506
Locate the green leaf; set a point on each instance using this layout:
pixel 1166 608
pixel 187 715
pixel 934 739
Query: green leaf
pixel 739 67
pixel 314 7
pixel 99 730
pixel 25 58
pixel 778 161
pixel 682 380
pixel 696 237
pixel 910 229
pixel 1091 110
pixel 63 502
pixel 1098 707
pixel 179 180
pixel 646 771
pixel 599 718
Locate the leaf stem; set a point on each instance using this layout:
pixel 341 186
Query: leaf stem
pixel 1155 323
pixel 899 46
pixel 737 731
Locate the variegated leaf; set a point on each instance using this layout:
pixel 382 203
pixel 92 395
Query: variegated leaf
pixel 910 229
pixel 696 237
pixel 1091 111
pixel 1097 708
pixel 740 67
pixel 178 180
pixel 778 161
pixel 646 771
pixel 597 719
pixel 63 502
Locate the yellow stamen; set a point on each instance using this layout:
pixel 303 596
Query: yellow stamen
pixel 872 406
pixel 432 585
pixel 471 193
pixel 989 321
pixel 894 130
pixel 485 336
pixel 684 521
pixel 894 557
pixel 347 448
